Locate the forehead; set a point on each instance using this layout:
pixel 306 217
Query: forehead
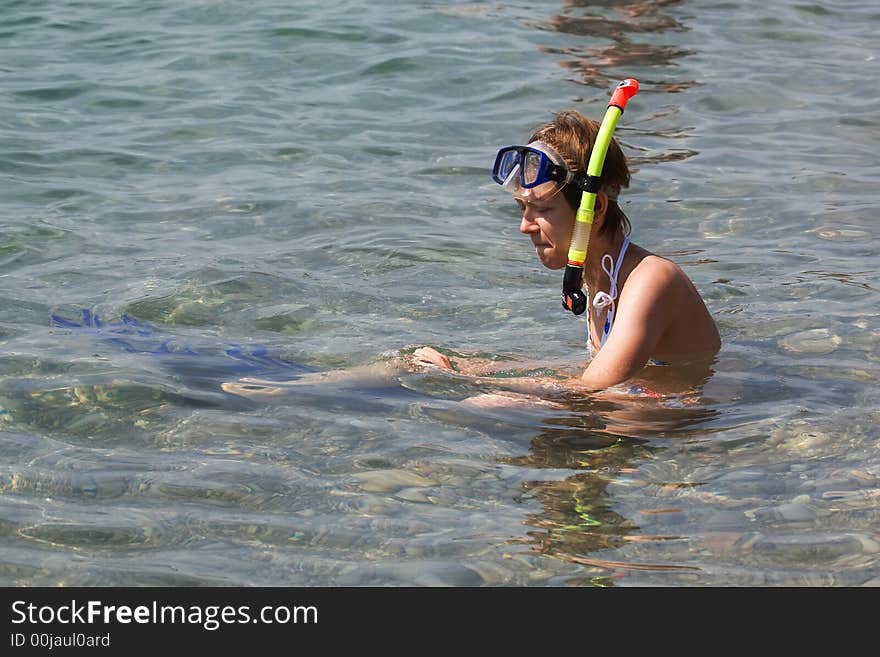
pixel 548 150
pixel 544 195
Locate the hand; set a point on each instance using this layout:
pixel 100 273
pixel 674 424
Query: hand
pixel 430 356
pixel 506 399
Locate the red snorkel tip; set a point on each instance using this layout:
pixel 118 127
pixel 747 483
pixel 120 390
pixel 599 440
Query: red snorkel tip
pixel 623 92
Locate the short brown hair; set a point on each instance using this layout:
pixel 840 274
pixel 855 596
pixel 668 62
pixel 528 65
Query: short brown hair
pixel 572 135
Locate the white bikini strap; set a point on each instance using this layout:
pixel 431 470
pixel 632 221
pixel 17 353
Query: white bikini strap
pixel 605 299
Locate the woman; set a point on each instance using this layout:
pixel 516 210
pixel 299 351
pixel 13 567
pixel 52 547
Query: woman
pixel 643 310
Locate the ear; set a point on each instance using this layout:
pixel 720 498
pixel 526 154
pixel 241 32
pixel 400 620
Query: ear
pixel 599 208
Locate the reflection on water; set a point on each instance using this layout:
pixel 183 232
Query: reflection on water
pixel 603 438
pixel 575 518
pixel 629 26
pixel 597 65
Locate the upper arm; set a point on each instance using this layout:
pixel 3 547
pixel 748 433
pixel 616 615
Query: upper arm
pixel 643 313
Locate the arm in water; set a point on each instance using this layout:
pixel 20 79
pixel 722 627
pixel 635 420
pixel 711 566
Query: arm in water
pixel 513 384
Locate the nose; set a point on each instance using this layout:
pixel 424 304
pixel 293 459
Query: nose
pixel 527 224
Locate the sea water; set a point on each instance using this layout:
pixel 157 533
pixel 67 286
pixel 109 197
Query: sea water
pixel 271 182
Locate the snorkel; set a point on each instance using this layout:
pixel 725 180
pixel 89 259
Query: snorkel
pixel 573 297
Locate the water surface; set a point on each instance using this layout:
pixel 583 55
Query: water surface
pixel 309 184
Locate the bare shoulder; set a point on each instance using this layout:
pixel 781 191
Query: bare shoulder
pixel 657 281
pixel 653 264
pixel 665 286
pixel 658 273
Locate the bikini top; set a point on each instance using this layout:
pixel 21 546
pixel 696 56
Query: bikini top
pixel 607 299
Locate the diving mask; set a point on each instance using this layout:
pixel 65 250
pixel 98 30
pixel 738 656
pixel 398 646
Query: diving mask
pixel 533 171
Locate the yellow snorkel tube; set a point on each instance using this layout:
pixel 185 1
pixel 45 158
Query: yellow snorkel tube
pixel 573 297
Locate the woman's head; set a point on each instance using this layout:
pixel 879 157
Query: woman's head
pixel 572 135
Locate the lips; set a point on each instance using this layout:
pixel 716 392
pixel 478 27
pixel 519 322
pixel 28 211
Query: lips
pixel 542 248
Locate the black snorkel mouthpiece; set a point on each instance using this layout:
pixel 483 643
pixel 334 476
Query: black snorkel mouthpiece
pixel 573 297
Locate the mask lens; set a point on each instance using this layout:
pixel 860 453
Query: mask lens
pixel 505 164
pixel 532 168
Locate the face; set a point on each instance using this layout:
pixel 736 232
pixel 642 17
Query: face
pixel 548 221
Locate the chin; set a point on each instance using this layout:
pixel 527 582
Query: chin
pixel 550 259
pixel 554 262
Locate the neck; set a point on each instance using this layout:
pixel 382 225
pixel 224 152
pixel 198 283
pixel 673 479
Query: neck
pixel 595 277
